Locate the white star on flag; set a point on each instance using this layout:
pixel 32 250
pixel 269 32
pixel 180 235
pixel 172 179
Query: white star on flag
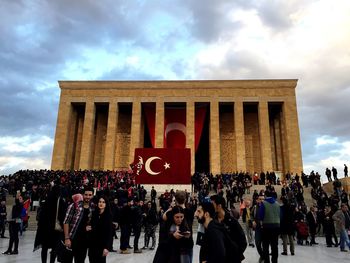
pixel 167 165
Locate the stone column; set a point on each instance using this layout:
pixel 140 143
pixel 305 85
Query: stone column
pixel 214 140
pixel 88 134
pixel 71 139
pixel 278 145
pixel 60 146
pixel 265 136
pixel 292 136
pixel 190 132
pixel 159 140
pixel 240 136
pixel 111 136
pixel 135 129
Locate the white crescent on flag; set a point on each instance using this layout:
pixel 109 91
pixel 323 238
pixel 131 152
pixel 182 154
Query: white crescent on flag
pixel 148 165
pixel 175 126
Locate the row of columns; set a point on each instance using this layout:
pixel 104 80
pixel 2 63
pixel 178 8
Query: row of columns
pixel 61 140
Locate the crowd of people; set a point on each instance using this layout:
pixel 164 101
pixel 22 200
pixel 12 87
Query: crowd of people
pixel 328 215
pixel 80 213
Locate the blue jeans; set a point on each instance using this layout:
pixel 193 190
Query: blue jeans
pixel 186 258
pixel 344 239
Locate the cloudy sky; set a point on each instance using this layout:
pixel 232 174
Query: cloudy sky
pixel 43 41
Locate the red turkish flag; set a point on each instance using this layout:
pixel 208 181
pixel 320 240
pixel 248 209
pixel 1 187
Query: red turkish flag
pixel 175 128
pixel 162 166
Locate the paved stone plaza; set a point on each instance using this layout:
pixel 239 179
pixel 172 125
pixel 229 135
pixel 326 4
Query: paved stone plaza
pixel 304 254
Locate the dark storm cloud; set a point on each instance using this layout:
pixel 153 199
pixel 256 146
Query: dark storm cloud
pixel 327 113
pixel 27 112
pixel 37 40
pixel 324 94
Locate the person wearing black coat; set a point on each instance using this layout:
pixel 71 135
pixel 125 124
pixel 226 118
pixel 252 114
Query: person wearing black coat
pixel 101 232
pixel 231 224
pixel 137 223
pixel 14 225
pixel 328 227
pixel 287 226
pixel 125 226
pixel 46 236
pixel 151 222
pixel 3 215
pixel 115 218
pixel 179 238
pixel 215 243
pixel 312 221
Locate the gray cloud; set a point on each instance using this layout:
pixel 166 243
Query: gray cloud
pixel 28 112
pixel 276 14
pixel 208 21
pixel 128 73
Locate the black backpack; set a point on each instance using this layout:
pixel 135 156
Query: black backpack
pixel 236 235
pixel 232 250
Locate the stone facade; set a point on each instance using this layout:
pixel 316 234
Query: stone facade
pixel 252 124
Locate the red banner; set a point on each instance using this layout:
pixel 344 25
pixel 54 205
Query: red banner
pixel 175 128
pixel 162 166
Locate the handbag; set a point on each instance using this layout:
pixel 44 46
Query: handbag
pixel 58 226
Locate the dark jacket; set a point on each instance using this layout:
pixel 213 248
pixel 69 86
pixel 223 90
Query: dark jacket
pixel 312 222
pixel 213 246
pixel 126 215
pixel 151 217
pixel 328 223
pixel 46 234
pixel 235 232
pixel 218 246
pixel 101 230
pixel 16 210
pixel 179 246
pixel 287 220
pixel 136 216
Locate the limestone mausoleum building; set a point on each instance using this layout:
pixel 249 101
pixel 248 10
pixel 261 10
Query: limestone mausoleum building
pixel 229 125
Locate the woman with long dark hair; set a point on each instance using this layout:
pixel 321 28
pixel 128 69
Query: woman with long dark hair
pixel 180 238
pixel 101 232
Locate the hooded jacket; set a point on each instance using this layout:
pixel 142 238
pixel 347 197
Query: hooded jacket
pixel 269 213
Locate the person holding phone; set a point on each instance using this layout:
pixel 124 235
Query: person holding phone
pixel 180 239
